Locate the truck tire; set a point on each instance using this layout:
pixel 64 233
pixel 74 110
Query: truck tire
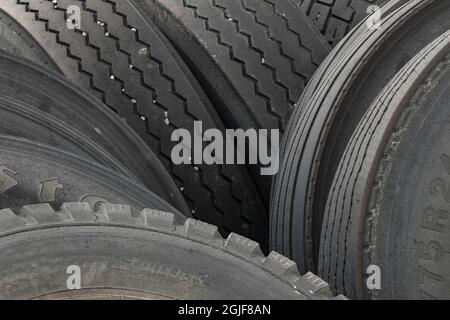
pixel 388 205
pixel 58 98
pixel 35 173
pixel 129 64
pixel 16 41
pixel 335 18
pixel 21 120
pixel 252 57
pixel 329 112
pixel 144 256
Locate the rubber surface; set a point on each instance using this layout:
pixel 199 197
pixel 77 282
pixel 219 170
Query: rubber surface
pixel 114 249
pixel 335 18
pixel 55 97
pixel 21 120
pixel 131 67
pixel 253 57
pixel 330 110
pixel 16 41
pixel 387 205
pixel 35 173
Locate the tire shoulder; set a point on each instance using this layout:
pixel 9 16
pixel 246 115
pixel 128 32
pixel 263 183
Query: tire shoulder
pixel 41 216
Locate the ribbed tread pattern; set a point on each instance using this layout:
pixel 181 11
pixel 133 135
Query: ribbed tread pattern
pixel 355 176
pixel 295 196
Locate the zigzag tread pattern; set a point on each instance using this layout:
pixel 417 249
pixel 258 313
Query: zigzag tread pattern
pixel 133 75
pixel 267 60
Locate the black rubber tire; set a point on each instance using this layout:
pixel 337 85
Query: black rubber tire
pixel 254 57
pixel 335 18
pixel 21 120
pixel 35 173
pixel 57 98
pixel 387 206
pixel 145 256
pixel 17 42
pixel 330 110
pixel 156 95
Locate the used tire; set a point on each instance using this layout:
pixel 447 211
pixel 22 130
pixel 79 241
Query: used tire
pixel 15 40
pixel 55 97
pixel 389 202
pixel 35 173
pixel 335 18
pixel 252 57
pixel 21 120
pixel 144 256
pixel 123 59
pixel 329 111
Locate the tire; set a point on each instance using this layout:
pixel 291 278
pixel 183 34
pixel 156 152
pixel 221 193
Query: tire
pixel 57 98
pixel 328 113
pixel 335 18
pixel 17 42
pixel 35 173
pixel 144 256
pixel 252 57
pixel 386 207
pixel 21 120
pixel 126 61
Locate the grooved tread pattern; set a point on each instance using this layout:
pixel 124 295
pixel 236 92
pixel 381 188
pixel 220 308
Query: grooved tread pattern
pixel 335 18
pixel 355 179
pixel 254 56
pixel 130 66
pixel 283 270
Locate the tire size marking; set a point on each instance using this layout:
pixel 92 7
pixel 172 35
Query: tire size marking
pixel 434 222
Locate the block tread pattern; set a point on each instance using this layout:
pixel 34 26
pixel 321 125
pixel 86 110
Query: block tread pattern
pixel 335 18
pixel 34 217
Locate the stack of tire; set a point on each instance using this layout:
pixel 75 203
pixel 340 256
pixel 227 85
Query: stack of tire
pixel 362 196
pixel 92 92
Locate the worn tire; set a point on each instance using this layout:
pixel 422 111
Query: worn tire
pixel 15 40
pixel 144 256
pixel 22 120
pixel 388 206
pixel 330 110
pixel 129 64
pixel 335 18
pixel 252 57
pixel 55 97
pixel 35 173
